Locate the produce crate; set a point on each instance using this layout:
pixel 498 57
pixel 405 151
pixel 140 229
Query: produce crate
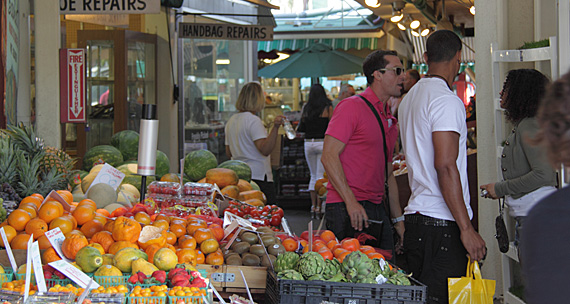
pixel 228 277
pixel 61 282
pixel 147 300
pixel 191 300
pixel 108 281
pixel 7 276
pixel 104 298
pixel 314 292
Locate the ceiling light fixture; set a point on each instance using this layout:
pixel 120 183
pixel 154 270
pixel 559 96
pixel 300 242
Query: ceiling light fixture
pixel 424 32
pixel 372 3
pixel 397 17
pixel 415 33
pixel 472 10
pixel 415 24
pixel 401 26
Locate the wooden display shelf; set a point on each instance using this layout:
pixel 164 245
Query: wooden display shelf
pixel 228 277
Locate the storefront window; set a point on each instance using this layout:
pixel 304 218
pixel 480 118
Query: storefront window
pixel 213 77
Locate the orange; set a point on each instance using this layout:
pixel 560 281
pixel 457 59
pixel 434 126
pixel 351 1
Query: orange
pixel 83 214
pixel 100 218
pixel 186 255
pixel 327 236
pixel 187 242
pixel 72 219
pixel 326 253
pixel 50 255
pixel 104 212
pixel 193 226
pixel 120 245
pixel 43 242
pixel 37 227
pixel 318 244
pixel 126 229
pixel 32 199
pixel 18 219
pixel 341 256
pixel 41 197
pixel 171 238
pixel 143 218
pixel 88 202
pixel 91 227
pixel 200 257
pixel 64 224
pixel 105 238
pixel 150 251
pixel 72 244
pixel 10 234
pixel 66 195
pixel 74 232
pixel 202 234
pixel 332 244
pixel 376 255
pixel 57 204
pixel 109 226
pixel 215 258
pixel 338 251
pixel 162 217
pixel 31 208
pixel 162 224
pixel 170 177
pixel 20 241
pixel 290 244
pixel 350 244
pixel 366 249
pixel 49 211
pixel 217 231
pixel 178 229
pixel 208 246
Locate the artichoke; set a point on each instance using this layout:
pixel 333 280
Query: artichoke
pixel 368 281
pixel 357 267
pixel 311 263
pixel 331 269
pixel 290 274
pixel 339 277
pixel 399 279
pixel 316 277
pixel 285 261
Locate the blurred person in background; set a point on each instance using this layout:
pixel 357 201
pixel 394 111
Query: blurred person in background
pixel 544 239
pixel 247 139
pixel 314 122
pixel 527 174
pixel 346 90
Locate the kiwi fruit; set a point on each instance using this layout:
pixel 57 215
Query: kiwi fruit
pixel 268 240
pixel 257 249
pixel 276 249
pixel 265 260
pixel 234 259
pixel 241 247
pixel 249 259
pixel 249 237
pixel 229 254
pixel 265 230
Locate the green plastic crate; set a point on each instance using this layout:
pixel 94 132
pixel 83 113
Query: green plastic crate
pixel 147 300
pixel 191 300
pixel 7 276
pixel 108 281
pixel 61 282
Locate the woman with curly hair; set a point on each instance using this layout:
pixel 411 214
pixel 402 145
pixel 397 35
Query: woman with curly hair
pixel 527 174
pixel 547 226
pixel 314 122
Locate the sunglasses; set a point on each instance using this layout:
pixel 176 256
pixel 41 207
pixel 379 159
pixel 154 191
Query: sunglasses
pixel 397 70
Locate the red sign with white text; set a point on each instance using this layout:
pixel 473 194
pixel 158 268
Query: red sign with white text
pixel 72 85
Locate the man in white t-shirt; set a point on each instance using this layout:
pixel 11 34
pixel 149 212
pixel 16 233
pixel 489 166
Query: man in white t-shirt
pixel 439 233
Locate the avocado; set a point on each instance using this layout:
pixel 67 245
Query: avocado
pixel 249 259
pixel 257 249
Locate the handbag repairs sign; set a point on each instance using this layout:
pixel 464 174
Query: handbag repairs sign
pixel 72 85
pixel 225 31
pixel 108 7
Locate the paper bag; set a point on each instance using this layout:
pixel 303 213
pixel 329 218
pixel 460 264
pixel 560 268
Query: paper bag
pixel 472 288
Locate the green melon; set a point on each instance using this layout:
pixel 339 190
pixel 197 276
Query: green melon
pixel 240 168
pixel 127 142
pixel 135 180
pixel 128 168
pixel 255 186
pixel 198 162
pixel 162 163
pixel 102 154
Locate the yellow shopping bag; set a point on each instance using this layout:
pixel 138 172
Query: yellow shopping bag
pixel 472 288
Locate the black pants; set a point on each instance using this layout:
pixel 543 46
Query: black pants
pixel 338 221
pixel 268 188
pixel 433 254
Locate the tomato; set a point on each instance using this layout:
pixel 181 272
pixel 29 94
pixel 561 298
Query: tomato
pixel 277 211
pixel 275 220
pixel 266 222
pixel 256 213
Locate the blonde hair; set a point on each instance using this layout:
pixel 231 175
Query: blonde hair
pixel 251 98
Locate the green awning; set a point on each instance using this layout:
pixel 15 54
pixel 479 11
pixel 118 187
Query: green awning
pixel 336 43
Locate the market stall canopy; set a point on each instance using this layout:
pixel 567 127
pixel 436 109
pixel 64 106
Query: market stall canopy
pixel 317 60
pixel 337 43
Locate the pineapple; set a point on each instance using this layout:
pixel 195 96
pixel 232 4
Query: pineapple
pixel 56 158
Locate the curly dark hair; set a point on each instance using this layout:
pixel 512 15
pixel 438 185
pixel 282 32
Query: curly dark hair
pixel 554 120
pixel 317 102
pixel 522 93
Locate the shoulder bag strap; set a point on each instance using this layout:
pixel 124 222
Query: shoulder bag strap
pixel 387 205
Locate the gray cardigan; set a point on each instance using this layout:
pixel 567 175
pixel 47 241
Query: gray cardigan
pixel 525 166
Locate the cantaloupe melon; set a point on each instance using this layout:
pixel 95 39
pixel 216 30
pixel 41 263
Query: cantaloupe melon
pixel 102 194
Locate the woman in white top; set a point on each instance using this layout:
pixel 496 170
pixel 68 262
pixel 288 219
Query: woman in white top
pixel 247 139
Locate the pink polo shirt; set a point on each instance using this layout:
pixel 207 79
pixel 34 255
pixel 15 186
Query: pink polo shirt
pixel 354 124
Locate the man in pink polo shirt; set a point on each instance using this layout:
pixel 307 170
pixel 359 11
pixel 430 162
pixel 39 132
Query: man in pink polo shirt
pixel 354 159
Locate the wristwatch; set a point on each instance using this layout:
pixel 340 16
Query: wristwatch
pixel 398 219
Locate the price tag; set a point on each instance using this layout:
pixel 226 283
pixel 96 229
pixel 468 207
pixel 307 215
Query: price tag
pixel 56 237
pixel 38 270
pixel 108 175
pixel 9 250
pixel 28 268
pixel 73 274
pixel 54 195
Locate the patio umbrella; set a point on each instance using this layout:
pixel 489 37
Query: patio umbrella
pixel 315 61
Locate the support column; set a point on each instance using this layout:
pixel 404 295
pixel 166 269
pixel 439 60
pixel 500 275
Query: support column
pixel 47 44
pixel 24 102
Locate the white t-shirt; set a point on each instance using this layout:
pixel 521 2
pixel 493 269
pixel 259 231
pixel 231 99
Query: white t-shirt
pixel 428 107
pixel 242 129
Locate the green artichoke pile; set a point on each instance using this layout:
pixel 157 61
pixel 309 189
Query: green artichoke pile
pixel 310 264
pixel 286 261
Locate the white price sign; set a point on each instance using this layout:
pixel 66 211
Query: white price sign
pixel 108 175
pixel 9 250
pixel 74 274
pixel 56 237
pixel 38 270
